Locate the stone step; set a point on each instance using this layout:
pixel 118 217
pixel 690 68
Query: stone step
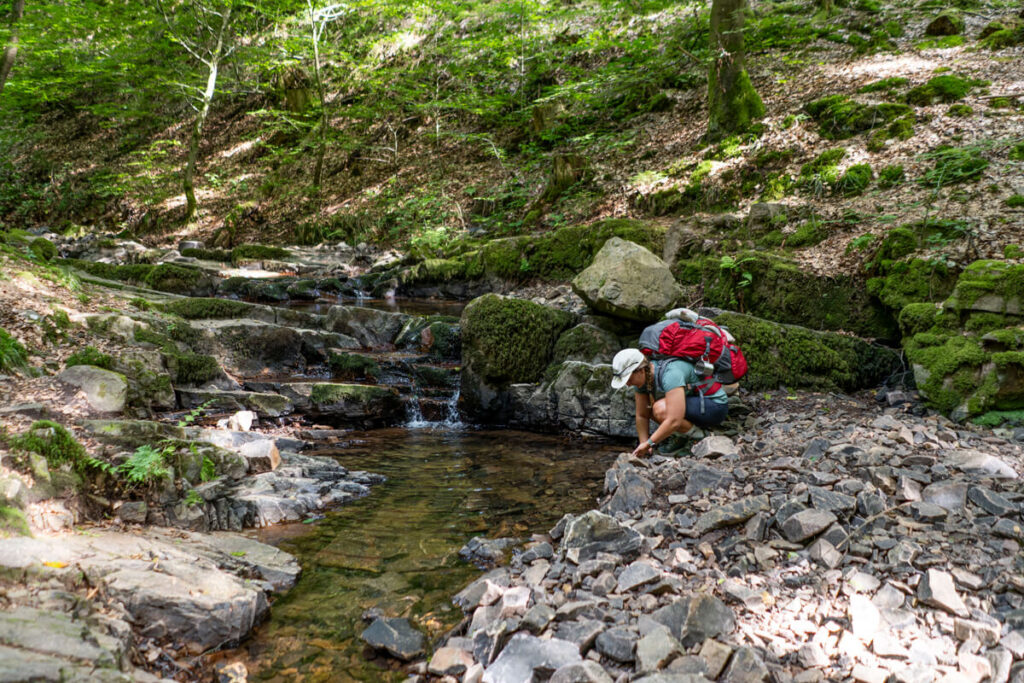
pixel 263 404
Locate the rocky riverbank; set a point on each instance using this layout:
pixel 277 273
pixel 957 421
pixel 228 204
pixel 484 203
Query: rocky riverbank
pixel 832 538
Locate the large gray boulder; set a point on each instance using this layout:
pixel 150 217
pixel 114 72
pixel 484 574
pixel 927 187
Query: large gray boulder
pixel 525 654
pixel 372 328
pixel 104 391
pixel 628 281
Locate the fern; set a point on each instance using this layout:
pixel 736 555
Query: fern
pixel 145 465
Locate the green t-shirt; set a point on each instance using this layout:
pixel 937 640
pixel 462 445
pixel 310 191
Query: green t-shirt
pixel 680 373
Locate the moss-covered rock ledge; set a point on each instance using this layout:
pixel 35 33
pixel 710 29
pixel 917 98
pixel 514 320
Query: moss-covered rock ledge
pixel 968 352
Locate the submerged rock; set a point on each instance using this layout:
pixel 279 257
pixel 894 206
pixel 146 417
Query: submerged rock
pixel 395 636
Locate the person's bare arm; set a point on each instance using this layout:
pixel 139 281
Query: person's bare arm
pixel 643 416
pixel 675 416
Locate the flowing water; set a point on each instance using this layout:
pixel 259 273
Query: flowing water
pixel 395 552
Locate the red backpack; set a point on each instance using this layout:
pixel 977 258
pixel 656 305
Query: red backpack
pixel 701 342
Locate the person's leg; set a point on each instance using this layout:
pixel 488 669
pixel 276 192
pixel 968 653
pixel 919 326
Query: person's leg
pixel 659 415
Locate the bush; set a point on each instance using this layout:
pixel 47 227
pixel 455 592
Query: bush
pixel 954 165
pixel 855 180
pixel 90 355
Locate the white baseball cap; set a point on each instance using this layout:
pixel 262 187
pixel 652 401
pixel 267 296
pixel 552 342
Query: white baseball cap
pixel 625 364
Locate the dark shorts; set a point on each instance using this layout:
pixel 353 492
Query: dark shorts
pixel 704 412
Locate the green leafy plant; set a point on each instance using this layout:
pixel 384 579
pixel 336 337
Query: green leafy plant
pixel 146 465
pixel 13 355
pixel 891 176
pixel 861 243
pixel 192 498
pixel 208 472
pixel 90 355
pixel 953 165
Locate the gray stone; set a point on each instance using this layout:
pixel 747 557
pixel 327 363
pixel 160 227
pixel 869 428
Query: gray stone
pixel 693 619
pixel 627 281
pixel 936 589
pixel 261 455
pixel 704 479
pixel 715 446
pixel 806 524
pixel 104 391
pixel 581 672
pixel 1008 529
pixel 715 655
pixel 633 492
pixel 372 328
pixel 830 501
pixel 655 650
pixel 951 495
pixel 639 573
pixel 395 636
pixel 824 552
pixel 133 512
pixel 864 617
pixel 538 617
pixel 985 632
pixel 928 512
pixel 999 661
pixel 815 448
pixel 733 513
pixel 594 532
pixel 977 462
pixel 618 643
pixel 991 502
pixel 746 666
pixel 525 654
pixel 450 661
pixel 582 633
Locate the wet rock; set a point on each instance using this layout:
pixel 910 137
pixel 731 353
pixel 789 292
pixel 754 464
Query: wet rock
pixel 104 391
pixel 525 655
pixel 733 513
pixel 806 524
pixel 486 552
pixel 395 636
pixel 936 589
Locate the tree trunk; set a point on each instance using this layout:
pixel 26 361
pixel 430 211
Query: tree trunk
pixel 188 182
pixel 318 170
pixel 732 101
pixel 11 51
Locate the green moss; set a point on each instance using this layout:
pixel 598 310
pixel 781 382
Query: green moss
pixel 1014 251
pixel 998 282
pixel 960 110
pixel 13 355
pixel 44 249
pixel 940 43
pixel 954 165
pixel 221 255
pixel 801 358
pixel 900 129
pixel 1005 34
pixel 13 522
pixel 193 368
pixel 510 340
pixel 885 85
pixel 1017 152
pixel 170 277
pixel 980 323
pixel 258 252
pixel 90 355
pixel 891 176
pixel 944 88
pixel 855 180
pixel 55 443
pixel 996 418
pixel 732 110
pixel 951 364
pixel 780 290
pixel 918 317
pixel 807 234
pixel 824 161
pixel 353 366
pixel 200 308
pixel 913 281
pixel 356 394
pixel 839 117
pixel 136 273
pixel 586 343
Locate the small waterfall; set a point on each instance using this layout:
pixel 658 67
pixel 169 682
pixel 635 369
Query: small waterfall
pixel 450 420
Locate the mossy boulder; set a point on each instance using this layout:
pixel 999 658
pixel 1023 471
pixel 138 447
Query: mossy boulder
pixel 968 355
pixel 778 289
pixel 505 341
pixel 942 88
pixel 353 366
pixel 104 391
pixel 948 23
pixel 628 281
pixel 200 308
pixel 356 403
pixel 437 335
pixel 13 522
pixel 177 279
pixel 247 253
pixel 303 289
pixel 370 327
pixel 586 343
pixel 913 281
pixel 44 249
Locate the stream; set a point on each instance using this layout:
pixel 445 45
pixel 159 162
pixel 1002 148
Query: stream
pixel 396 552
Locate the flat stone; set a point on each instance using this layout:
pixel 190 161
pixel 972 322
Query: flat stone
pixel 396 636
pixel 928 512
pixel 991 502
pixel 936 589
pixel 655 650
pixel 104 391
pixel 825 553
pixel 746 666
pixel 538 617
pixel 951 495
pixel 733 513
pixel 450 661
pixel 715 655
pixel 830 501
pixel 524 654
pixel 806 524
pixel 705 479
pixel 618 643
pixel 582 633
pixel 638 574
pixel 581 672
pixel 1008 529
pixel 633 493
pixel 594 532
pixel 715 446
pixel 986 633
